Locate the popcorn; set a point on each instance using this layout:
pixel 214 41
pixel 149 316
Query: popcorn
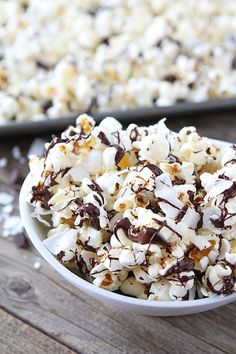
pixel 61 242
pixel 153 148
pixel 158 226
pixel 59 58
pixel 132 287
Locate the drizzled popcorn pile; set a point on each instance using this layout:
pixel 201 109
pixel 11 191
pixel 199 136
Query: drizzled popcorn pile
pixel 62 56
pixel 145 212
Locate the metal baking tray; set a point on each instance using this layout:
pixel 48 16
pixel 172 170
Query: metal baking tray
pixel 139 115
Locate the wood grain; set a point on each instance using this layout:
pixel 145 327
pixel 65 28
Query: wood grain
pixel 17 337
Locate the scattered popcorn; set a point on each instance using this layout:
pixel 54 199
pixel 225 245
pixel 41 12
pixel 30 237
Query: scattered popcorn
pixel 6 198
pixel 145 211
pixel 10 222
pixel 8 209
pixel 37 265
pixel 16 153
pixel 3 162
pixel 72 56
pixel 37 147
pixel 12 226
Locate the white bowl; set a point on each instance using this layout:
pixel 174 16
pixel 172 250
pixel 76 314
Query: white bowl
pixel 144 307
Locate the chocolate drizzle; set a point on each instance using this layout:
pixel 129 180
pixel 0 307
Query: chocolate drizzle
pixel 123 224
pixel 164 224
pixel 223 176
pixel 134 134
pixel 116 134
pixel 119 154
pixel 155 169
pixel 200 221
pixel 102 136
pixel 53 176
pixel 220 222
pixel 191 197
pixel 172 159
pixel 89 212
pixel 185 264
pixel 181 214
pixel 60 255
pixel 41 65
pixel 95 187
pixel 178 181
pixel 46 105
pixel 162 200
pixel 42 194
pixel 55 140
pixel 119 150
pixel 170 78
pixel 227 288
pixel 146 235
pixel 229 193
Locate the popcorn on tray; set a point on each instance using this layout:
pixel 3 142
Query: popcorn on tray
pixel 61 57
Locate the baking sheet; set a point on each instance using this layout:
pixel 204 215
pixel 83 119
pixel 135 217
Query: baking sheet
pixel 139 115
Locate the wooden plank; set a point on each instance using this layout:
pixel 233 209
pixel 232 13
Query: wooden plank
pixel 16 337
pixel 35 297
pixel 216 327
pixel 85 325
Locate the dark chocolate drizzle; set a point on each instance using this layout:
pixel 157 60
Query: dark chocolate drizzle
pixel 178 181
pixel 53 176
pixel 42 194
pixel 102 136
pixel 181 214
pixel 119 153
pixel 229 193
pixel 191 197
pixel 162 200
pixel 41 65
pixel 155 169
pixel 170 78
pixel 95 187
pixel 185 264
pixel 90 213
pixel 227 288
pixel 134 134
pixel 60 255
pixel 55 140
pixel 119 150
pixel 146 235
pixel 172 159
pixel 224 216
pixel 46 105
pixel 123 224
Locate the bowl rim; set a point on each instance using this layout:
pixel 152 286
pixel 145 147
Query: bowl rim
pixel 31 226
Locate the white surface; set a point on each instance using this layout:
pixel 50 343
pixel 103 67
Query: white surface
pixel 144 307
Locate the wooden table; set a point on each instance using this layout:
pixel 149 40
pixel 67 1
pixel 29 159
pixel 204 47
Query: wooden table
pixel 42 313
